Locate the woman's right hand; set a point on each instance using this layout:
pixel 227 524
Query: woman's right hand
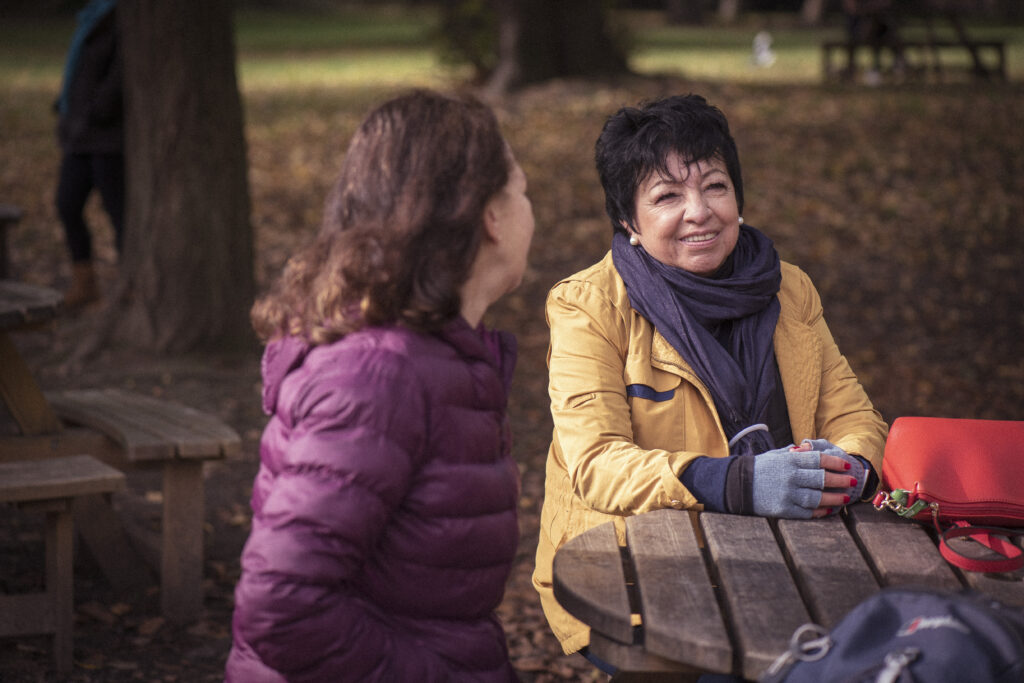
pixel 799 483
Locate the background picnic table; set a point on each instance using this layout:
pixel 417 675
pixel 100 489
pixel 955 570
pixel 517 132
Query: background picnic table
pixel 904 205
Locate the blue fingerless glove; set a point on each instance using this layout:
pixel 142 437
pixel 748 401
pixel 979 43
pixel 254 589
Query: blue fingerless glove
pixel 787 483
pixel 857 469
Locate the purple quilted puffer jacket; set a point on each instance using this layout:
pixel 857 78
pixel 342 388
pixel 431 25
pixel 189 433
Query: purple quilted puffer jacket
pixel 384 511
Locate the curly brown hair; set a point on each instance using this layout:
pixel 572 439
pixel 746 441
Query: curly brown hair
pixel 402 224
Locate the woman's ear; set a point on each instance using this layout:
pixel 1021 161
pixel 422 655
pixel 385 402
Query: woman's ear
pixel 492 222
pixel 634 236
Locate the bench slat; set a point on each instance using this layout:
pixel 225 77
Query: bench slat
pixel 73 475
pixel 834 576
pixel 897 545
pixel 96 413
pixel 177 418
pixel 681 619
pixel 903 554
pixel 147 428
pixel 134 422
pixel 598 593
pixel 763 601
pixel 1007 586
pixel 27 304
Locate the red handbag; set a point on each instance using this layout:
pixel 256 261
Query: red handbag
pixel 968 474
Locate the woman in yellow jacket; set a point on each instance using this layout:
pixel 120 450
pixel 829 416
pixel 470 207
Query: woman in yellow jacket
pixel 686 364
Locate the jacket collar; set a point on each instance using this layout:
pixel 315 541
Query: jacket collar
pixel 280 357
pixel 496 348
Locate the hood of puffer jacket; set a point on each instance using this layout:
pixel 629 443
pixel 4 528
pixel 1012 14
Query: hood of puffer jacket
pixel 279 358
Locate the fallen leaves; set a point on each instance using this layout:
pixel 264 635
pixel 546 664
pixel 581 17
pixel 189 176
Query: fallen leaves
pixel 904 206
pixel 150 626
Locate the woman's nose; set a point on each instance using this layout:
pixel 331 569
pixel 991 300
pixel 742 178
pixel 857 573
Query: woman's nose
pixel 696 209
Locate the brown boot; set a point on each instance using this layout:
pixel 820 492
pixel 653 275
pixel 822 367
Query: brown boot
pixel 83 289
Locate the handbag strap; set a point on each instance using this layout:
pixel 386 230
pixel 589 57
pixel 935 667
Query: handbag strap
pixel 995 538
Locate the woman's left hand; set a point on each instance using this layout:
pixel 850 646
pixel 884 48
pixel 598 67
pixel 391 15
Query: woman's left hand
pixel 844 475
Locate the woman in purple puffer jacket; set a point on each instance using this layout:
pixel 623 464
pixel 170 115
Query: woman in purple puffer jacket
pixel 384 510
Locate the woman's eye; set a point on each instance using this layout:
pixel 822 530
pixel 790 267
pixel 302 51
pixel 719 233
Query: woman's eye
pixel 665 197
pixel 717 187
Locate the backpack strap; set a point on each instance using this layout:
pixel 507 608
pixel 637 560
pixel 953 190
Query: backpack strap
pixel 995 538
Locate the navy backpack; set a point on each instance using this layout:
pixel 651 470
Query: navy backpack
pixel 908 635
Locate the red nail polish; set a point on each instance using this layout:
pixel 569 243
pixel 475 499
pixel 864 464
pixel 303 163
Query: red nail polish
pixel 847 465
pixel 846 499
pixel 853 482
pixel 830 511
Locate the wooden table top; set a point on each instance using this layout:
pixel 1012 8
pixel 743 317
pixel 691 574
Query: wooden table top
pixel 668 602
pixel 23 305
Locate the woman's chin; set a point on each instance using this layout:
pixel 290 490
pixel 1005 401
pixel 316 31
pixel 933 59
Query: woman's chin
pixel 703 264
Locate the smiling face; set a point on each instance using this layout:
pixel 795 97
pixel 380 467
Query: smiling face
pixel 688 219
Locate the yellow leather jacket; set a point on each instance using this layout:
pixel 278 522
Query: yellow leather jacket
pixel 612 456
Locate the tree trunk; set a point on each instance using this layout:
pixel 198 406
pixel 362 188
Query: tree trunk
pixel 813 12
pixel 509 27
pixel 728 10
pixel 569 38
pixel 187 273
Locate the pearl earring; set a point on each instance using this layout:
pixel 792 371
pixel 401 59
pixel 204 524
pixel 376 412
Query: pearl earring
pixel 741 220
pixel 634 240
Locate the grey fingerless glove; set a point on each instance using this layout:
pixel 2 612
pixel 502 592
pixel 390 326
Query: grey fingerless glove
pixel 857 470
pixel 787 483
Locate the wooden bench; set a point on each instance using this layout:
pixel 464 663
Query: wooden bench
pixel 49 486
pixel 132 432
pixel 924 49
pixel 128 431
pixel 146 432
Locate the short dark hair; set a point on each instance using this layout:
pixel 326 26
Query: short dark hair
pixel 402 224
pixel 636 142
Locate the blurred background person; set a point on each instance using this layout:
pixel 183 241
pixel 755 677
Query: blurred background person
pixel 872 24
pixel 90 131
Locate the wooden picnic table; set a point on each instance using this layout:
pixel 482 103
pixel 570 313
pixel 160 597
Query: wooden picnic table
pixel 988 57
pixel 127 431
pixel 24 306
pixel 722 593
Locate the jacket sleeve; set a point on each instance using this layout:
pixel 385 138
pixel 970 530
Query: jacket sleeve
pixel 593 430
pixel 844 414
pixel 346 464
pixel 107 103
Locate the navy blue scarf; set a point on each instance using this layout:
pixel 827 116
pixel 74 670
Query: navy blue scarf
pixel 721 326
